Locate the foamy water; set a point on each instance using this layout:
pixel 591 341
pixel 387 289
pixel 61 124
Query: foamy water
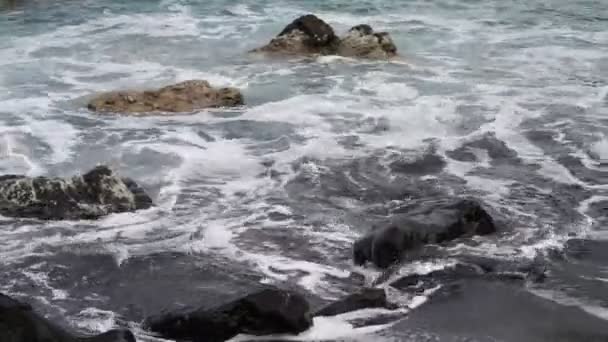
pixel 282 187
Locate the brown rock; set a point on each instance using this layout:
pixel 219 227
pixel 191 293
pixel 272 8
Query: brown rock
pixel 361 41
pixel 309 35
pixel 181 97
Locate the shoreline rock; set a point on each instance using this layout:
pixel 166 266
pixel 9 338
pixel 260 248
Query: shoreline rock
pixel 96 193
pixel 310 35
pixel 429 223
pixel 19 323
pixel 182 97
pixel 269 311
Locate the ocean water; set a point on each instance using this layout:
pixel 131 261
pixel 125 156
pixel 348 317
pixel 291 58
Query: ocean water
pixel 503 100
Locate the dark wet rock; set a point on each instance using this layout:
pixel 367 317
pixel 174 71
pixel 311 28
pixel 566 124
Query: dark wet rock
pixel 462 154
pixel 486 269
pixel 378 319
pixel 361 41
pixel 19 323
pixel 427 164
pixel 422 282
pixel 364 299
pixel 495 148
pixel 429 222
pixel 96 193
pixel 534 270
pixel 269 311
pixel 207 137
pixel 185 96
pixel 309 35
pixel 304 36
pixel 482 310
pixel 318 32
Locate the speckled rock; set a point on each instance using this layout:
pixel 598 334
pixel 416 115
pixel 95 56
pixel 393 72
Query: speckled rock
pixel 97 193
pixel 361 41
pixel 182 97
pixel 309 35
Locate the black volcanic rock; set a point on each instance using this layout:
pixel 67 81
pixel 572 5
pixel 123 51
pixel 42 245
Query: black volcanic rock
pixel 19 323
pixel 319 33
pixel 305 35
pixel 430 222
pixel 269 311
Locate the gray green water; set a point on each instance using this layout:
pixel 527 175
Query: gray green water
pixel 512 95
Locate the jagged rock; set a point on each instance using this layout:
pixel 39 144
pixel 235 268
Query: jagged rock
pixel 270 311
pixel 361 41
pixel 430 222
pixel 305 35
pixel 186 96
pixel 96 193
pixel 364 299
pixel 309 35
pixel 19 323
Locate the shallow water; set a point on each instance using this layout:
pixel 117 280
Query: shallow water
pixel 506 101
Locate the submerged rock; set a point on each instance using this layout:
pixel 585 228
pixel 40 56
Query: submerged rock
pixel 19 323
pixel 270 311
pixel 186 96
pixel 309 35
pixel 464 271
pixel 364 299
pixel 96 193
pixel 432 222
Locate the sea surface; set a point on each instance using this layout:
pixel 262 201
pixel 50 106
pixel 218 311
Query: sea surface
pixel 502 100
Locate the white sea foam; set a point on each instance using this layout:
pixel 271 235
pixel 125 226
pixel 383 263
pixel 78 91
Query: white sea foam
pixel 41 279
pixel 601 149
pixel 95 320
pixel 410 103
pixel 324 328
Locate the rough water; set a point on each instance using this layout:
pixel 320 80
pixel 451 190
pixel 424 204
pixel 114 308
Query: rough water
pixel 506 101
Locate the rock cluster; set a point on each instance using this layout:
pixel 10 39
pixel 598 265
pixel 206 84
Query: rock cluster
pixel 271 310
pixel 309 35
